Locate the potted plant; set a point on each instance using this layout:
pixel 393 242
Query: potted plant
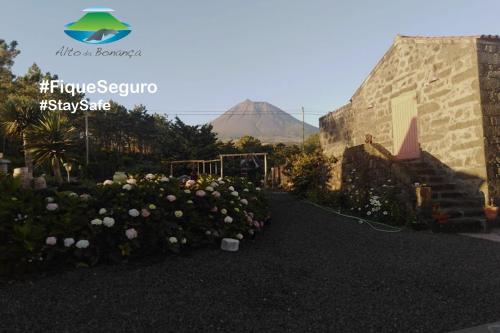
pixel 491 211
pixel 439 218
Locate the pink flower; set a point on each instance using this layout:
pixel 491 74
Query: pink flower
pixel 131 233
pixel 190 183
pixel 171 198
pixel 214 210
pixel 200 193
pixel 51 241
pixel 145 212
pixel 256 224
pixel 216 194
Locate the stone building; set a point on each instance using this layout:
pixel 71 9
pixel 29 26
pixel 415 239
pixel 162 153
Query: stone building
pixel 432 103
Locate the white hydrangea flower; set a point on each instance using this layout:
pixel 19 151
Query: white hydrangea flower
pixel 246 190
pixel 235 194
pixel 257 188
pixel 190 183
pixel 52 206
pixel 152 206
pixel 228 219
pixel 171 197
pixel 189 201
pixel 200 193
pixel 108 182
pixel 102 211
pixel 149 176
pixel 48 199
pixel 68 242
pixel 244 201
pixel 178 213
pixel 96 222
pixel 223 211
pixel 230 188
pixel 209 189
pixel 132 181
pixel 239 236
pixel 183 241
pixel 172 240
pixel 187 191
pixel 164 179
pixel 133 212
pixel 82 244
pixel 127 187
pixel 216 194
pixel 108 221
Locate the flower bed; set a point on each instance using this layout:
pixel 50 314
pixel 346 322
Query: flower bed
pixel 113 221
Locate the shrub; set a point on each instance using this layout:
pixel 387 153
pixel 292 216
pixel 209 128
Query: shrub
pixel 113 222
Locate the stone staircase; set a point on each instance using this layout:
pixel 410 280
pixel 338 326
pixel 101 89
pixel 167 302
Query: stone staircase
pixel 464 209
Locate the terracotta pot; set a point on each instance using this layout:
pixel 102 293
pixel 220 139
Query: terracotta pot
pixel 491 213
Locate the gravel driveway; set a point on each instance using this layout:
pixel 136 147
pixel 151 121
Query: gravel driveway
pixel 309 271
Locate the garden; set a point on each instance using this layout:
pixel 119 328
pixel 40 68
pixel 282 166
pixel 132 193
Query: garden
pixel 124 219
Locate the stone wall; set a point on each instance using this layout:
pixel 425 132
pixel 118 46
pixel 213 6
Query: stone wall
pixel 489 80
pixel 443 73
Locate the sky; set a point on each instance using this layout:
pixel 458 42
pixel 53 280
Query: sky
pixel 207 56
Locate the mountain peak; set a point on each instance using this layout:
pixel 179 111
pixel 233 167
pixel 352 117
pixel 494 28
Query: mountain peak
pixel 261 120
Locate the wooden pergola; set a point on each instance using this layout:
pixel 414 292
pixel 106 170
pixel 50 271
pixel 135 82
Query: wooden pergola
pixel 202 163
pixel 218 164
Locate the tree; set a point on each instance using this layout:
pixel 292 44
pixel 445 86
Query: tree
pixel 18 114
pixel 49 141
pixel 312 144
pixel 249 144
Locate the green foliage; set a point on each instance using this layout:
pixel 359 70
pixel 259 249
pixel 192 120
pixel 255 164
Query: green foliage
pixel 308 172
pixel 312 144
pixel 249 144
pixel 148 215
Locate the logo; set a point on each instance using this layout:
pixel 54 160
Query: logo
pixel 97 26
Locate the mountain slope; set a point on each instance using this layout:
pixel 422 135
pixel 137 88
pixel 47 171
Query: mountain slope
pixel 96 21
pixel 261 120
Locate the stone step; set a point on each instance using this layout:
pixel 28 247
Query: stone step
pixel 459 212
pixel 465 220
pixel 462 202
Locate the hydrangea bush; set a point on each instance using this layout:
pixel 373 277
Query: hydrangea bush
pixel 116 221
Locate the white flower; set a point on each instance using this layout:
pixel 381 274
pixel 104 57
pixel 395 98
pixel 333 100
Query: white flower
pixel 183 241
pixel 82 244
pixel 209 189
pixel 216 194
pixel 85 196
pixel 96 222
pixel 190 183
pixel 108 182
pixel 152 206
pixel 164 179
pixel 230 188
pixel 234 194
pixel 187 191
pixel 236 209
pixel 223 211
pixel 51 240
pixel 250 232
pixel 72 194
pixel 48 199
pixel 189 201
pixel 131 233
pixel 133 212
pixel 239 236
pixel 368 213
pixel 108 221
pixel 208 232
pixel 102 211
pixel 171 197
pixel 385 212
pixel 132 181
pixel 214 184
pixel 172 240
pixel 52 206
pixel 150 176
pixel 178 214
pixel 244 201
pixel 68 242
pixel 228 219
pixel 245 190
pixel 221 182
pixel 257 188
pixel 200 193
pixel 127 187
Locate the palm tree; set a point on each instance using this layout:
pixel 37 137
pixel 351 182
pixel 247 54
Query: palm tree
pixel 18 115
pixel 49 141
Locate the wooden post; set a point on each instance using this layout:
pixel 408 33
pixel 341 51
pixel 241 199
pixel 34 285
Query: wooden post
pixel 265 170
pixel 216 171
pixel 210 167
pixel 221 167
pixel 171 169
pixel 203 167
